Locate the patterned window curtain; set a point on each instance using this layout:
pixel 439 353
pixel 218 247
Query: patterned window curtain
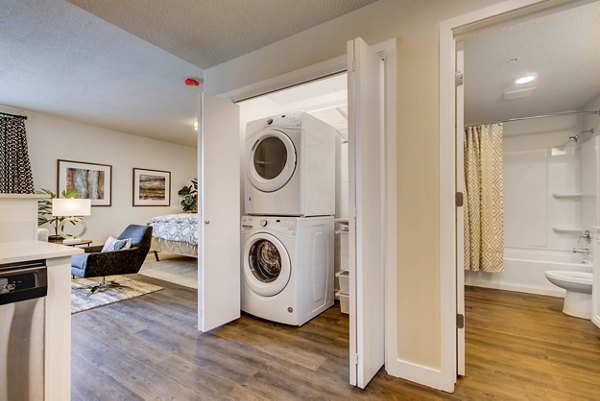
pixel 484 206
pixel 15 169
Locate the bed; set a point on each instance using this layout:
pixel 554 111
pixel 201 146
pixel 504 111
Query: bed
pixel 175 233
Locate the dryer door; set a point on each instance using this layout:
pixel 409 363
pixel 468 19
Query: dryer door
pixel 271 160
pixel 267 267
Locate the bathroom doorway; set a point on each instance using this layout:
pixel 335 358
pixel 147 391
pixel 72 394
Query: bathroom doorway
pixel 547 141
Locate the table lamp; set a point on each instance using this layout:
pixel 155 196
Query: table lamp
pixel 72 209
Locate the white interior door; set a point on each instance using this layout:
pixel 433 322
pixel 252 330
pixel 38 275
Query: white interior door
pixel 365 146
pixel 460 222
pixel 219 237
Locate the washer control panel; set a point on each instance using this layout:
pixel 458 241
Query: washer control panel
pixel 279 224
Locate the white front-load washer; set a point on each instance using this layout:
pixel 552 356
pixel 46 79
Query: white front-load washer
pixel 287 267
pixel 290 166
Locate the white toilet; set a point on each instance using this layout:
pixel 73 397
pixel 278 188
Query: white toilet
pixel 578 301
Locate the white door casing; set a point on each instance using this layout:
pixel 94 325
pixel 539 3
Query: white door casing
pixel 460 222
pixel 219 236
pixel 366 240
pixel 596 277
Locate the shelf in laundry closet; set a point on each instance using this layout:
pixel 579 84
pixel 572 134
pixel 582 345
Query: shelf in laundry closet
pixel 344 302
pixel 573 196
pixel 343 278
pixel 567 230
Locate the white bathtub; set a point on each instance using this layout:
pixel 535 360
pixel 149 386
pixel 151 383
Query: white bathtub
pixel 524 271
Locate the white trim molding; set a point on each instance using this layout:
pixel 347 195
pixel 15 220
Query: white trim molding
pixel 414 372
pixel 596 278
pixel 447 147
pixel 311 73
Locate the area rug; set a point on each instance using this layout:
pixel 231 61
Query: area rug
pixel 179 270
pixel 80 301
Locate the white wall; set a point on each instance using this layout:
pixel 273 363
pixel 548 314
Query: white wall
pixel 50 138
pixel 415 24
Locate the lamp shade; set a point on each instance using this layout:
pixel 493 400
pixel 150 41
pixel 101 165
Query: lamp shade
pixel 71 207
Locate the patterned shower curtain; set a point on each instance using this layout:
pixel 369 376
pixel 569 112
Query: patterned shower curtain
pixel 15 170
pixel 484 200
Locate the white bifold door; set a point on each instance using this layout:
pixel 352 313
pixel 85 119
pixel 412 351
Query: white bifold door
pixel 365 154
pixel 219 220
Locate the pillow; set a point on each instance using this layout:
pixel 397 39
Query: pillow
pixel 113 244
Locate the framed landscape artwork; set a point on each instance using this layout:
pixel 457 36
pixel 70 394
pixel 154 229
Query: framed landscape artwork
pixel 151 187
pixel 92 180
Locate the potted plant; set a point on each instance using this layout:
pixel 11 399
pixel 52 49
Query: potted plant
pixel 45 211
pixel 189 203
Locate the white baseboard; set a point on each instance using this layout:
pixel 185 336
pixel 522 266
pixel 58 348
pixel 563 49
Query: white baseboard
pixel 419 374
pixel 516 288
pixel 596 320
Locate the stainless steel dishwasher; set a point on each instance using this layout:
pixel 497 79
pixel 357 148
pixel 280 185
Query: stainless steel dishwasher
pixel 23 289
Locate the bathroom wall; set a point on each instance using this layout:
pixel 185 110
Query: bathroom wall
pixel 592 121
pixel 543 202
pixel 542 183
pixel 590 174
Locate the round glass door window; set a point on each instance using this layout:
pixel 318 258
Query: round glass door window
pixel 267 267
pixel 270 157
pixel 271 160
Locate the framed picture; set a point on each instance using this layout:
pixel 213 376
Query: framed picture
pixel 92 180
pixel 151 187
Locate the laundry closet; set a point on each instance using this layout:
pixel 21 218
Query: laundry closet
pixel 294 201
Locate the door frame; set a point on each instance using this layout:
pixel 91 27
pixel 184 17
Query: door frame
pixel 387 51
pixel 449 29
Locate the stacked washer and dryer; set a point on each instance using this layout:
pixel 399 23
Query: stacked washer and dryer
pixel 288 229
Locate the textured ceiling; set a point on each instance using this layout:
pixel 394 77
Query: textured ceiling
pixel 209 32
pixel 59 59
pixel 562 48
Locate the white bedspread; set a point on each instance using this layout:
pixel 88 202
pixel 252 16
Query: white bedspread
pixel 181 227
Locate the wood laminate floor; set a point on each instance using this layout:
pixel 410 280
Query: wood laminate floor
pixel 519 347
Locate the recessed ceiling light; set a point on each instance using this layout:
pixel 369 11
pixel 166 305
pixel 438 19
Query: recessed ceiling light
pixel 525 79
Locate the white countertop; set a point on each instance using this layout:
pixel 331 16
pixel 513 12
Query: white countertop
pixel 21 251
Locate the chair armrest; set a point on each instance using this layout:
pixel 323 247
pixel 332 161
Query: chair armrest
pixel 126 261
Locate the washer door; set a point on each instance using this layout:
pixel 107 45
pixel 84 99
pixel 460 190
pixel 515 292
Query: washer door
pixel 271 161
pixel 267 268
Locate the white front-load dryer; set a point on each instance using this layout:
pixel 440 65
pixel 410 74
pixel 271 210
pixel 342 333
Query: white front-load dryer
pixel 290 166
pixel 287 267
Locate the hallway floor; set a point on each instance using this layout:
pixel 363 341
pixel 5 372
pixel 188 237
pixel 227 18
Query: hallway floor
pixel 519 347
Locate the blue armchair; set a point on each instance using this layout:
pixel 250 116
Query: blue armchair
pixel 95 263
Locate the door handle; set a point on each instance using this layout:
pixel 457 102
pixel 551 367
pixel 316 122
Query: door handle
pixel 206 221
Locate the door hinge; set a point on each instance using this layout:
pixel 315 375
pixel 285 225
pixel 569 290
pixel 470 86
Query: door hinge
pixel 460 321
pixel 459 78
pixel 354 358
pixel 459 199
